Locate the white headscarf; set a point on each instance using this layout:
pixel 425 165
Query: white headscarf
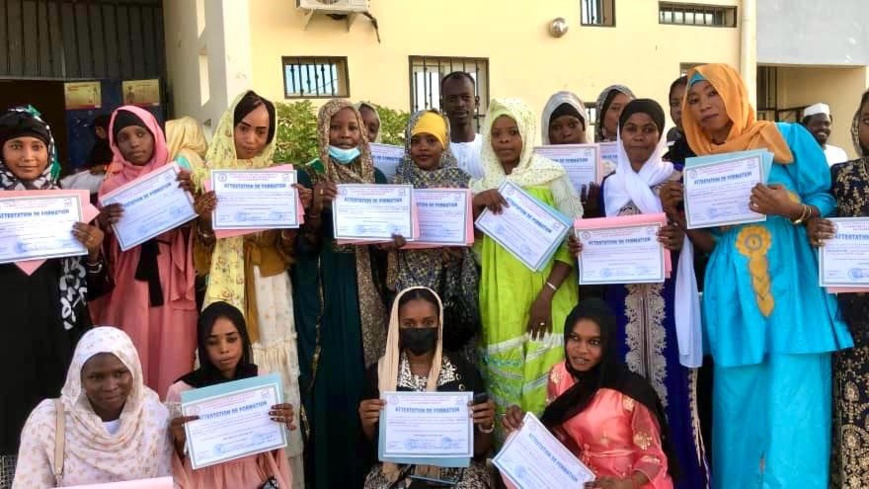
pixel 556 101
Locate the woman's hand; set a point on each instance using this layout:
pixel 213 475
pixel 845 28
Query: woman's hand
pixel 369 412
pixel 672 237
pixel 490 199
pixel 185 182
pixel 483 414
pixel 773 200
pixel 611 483
pixel 540 315
pixel 820 230
pixel 91 237
pixel 672 194
pixel 284 414
pixel 176 429
pixel 513 419
pixel 109 215
pixel 397 242
pixel 306 195
pixel 204 205
pixel 573 245
pixel 322 196
pixel 590 198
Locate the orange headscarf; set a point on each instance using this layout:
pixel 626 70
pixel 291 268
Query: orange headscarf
pixel 747 132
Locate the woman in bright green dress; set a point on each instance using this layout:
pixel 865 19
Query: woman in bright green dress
pixel 522 311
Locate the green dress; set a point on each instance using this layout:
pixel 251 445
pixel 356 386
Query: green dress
pixel 515 367
pixel 326 303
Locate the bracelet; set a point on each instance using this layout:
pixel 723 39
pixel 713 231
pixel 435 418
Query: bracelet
pixel 94 268
pixel 205 236
pixel 805 214
pixel 487 431
pixel 551 286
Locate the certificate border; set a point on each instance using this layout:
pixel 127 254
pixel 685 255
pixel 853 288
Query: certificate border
pixel 598 162
pixel 336 209
pixel 427 458
pixel 258 225
pixel 550 251
pixel 59 195
pixel 822 254
pixel 465 212
pixel 763 178
pixel 663 273
pixel 272 381
pixel 177 223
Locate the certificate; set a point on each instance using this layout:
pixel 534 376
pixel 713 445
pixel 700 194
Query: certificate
pixel 234 420
pixel 530 230
pixel 386 158
pixel 37 225
pixel 609 156
pixel 255 199
pixel 621 252
pixel 430 428
pixel 718 189
pixel 844 260
pixel 374 213
pixel 153 204
pixel 158 483
pixel 580 161
pixel 532 458
pixel 445 217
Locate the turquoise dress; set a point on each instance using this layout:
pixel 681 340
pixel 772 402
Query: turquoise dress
pixel 771 330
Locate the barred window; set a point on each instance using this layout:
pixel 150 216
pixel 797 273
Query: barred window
pixel 696 14
pixel 315 77
pixel 598 12
pixel 426 73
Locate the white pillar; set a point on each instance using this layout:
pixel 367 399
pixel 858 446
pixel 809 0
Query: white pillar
pixel 748 48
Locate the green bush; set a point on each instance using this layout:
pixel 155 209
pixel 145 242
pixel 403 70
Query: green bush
pixel 297 130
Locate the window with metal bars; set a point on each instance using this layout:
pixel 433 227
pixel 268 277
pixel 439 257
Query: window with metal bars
pixel 315 77
pixel 590 113
pixel 696 14
pixel 598 12
pixel 426 73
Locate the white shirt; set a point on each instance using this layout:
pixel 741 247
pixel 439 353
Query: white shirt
pixel 469 156
pixel 112 426
pixel 835 155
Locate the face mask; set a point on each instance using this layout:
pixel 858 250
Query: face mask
pixel 418 340
pixel 344 156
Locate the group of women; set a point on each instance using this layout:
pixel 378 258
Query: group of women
pixel 341 324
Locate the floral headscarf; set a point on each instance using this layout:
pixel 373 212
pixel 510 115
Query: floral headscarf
pixel 861 150
pixel 603 104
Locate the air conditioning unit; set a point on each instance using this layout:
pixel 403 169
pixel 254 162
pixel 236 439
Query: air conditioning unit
pixel 334 6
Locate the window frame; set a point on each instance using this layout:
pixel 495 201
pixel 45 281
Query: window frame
pixel 603 8
pixel 342 75
pixel 730 14
pixel 456 63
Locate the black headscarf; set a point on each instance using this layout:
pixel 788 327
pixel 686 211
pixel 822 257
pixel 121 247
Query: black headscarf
pixel 644 106
pixel 610 373
pixel 566 109
pixel 207 374
pixel 247 104
pixel 19 123
pixel 124 119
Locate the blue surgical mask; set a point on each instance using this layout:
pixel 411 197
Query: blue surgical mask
pixel 344 156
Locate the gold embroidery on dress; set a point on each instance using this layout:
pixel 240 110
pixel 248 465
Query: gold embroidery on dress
pixel 754 242
pixel 642 440
pixel 628 404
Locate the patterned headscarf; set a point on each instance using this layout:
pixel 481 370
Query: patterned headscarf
pixel 446 175
pixel 862 151
pixel 22 121
pixel 371 308
pixel 603 104
pixel 372 108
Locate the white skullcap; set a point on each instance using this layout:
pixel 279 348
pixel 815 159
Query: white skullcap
pixel 816 109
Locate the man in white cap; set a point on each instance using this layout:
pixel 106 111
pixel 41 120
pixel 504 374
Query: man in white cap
pixel 818 121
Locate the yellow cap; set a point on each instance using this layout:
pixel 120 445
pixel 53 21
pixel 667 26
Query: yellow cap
pixel 431 123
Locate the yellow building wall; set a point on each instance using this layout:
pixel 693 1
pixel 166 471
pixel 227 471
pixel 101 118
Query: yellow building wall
pixel 524 59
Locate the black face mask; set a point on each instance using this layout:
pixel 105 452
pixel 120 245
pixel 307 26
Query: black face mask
pixel 418 340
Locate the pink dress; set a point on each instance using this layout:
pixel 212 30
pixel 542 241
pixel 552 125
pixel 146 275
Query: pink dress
pixel 245 473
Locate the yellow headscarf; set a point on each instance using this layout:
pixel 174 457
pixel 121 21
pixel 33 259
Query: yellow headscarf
pixel 186 138
pixel 747 132
pixel 431 123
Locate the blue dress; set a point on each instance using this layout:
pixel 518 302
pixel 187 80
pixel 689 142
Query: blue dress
pixel 771 330
pixel 647 338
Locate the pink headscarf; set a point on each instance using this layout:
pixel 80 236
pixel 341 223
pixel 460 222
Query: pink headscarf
pixel 121 171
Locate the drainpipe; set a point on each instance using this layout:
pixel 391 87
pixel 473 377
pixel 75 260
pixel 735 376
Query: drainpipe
pixel 748 48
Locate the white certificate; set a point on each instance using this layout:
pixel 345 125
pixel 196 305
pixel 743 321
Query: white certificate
pixel 234 420
pixel 373 212
pixel 386 158
pixel 609 156
pixel 621 255
pixel 421 427
pixel 444 216
pixel 37 225
pixel 844 260
pixel 533 458
pixel 717 193
pixel 255 199
pixel 530 230
pixel 580 161
pixel 153 204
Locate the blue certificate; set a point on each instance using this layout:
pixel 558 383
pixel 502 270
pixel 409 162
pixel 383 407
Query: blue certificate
pixel 428 428
pixel 844 260
pixel 530 230
pixel 234 420
pixel 255 199
pixel 386 158
pixel 374 213
pixel 37 225
pixel 153 204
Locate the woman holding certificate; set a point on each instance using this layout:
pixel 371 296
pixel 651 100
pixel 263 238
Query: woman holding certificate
pixel 250 271
pixel 416 361
pixel 770 327
pixel 113 427
pixel 45 308
pixel 153 297
pixel 522 310
pixel 225 353
pixel 340 311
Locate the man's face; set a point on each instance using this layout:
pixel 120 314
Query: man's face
pixel 459 101
pixel 820 125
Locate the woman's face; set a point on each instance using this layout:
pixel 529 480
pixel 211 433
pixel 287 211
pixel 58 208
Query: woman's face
pixel 252 133
pixel 506 140
pixel 344 131
pixel 640 137
pixel 418 322
pixel 863 126
pixel 136 144
pixel 224 346
pixel 676 97
pixel 107 383
pixel 584 345
pixel 26 157
pixel 707 108
pixel 567 129
pixel 369 118
pixel 613 112
pixel 426 151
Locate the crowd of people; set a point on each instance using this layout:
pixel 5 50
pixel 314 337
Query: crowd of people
pixel 99 348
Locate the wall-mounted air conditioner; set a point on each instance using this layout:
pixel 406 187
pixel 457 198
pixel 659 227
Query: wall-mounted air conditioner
pixel 334 6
